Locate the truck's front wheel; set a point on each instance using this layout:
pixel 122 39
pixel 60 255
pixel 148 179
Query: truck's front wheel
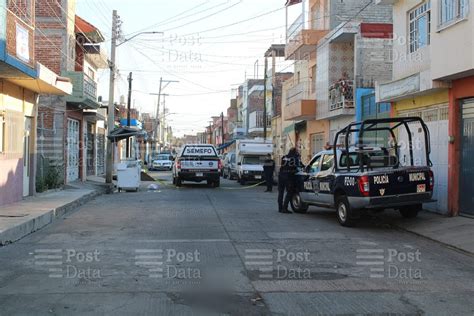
pixel 344 211
pixel 410 211
pixel 298 205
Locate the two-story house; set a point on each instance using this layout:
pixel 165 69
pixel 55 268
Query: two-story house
pixel 72 131
pixel 338 48
pixel 433 68
pixel 22 79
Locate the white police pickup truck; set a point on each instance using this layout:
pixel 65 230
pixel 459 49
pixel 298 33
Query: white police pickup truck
pixel 362 177
pixel 197 163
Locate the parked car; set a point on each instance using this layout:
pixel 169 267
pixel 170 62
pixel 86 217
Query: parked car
pixel 162 162
pixel 230 166
pixel 360 177
pixel 197 163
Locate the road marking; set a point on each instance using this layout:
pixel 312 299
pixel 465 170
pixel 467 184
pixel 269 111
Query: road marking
pixel 183 240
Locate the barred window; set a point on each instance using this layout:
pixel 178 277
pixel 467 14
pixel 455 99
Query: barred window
pixel 452 10
pixel 420 26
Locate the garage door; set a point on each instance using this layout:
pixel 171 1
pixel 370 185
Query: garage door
pixel 467 162
pixel 436 118
pixel 317 143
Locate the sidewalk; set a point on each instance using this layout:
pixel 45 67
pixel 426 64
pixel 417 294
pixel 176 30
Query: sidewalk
pixel 456 232
pixel 20 219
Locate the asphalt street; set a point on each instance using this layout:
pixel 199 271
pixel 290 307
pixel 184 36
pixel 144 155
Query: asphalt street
pixel 198 250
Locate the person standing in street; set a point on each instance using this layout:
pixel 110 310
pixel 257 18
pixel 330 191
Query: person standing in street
pixel 287 179
pixel 268 169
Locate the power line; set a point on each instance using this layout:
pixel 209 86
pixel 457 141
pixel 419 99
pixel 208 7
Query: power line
pixel 174 18
pixel 236 23
pixel 204 17
pixel 164 70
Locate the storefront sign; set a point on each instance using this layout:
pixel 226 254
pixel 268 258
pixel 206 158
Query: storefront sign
pixel 399 88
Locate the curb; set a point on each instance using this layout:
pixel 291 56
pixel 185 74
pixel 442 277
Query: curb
pixel 39 221
pixel 466 252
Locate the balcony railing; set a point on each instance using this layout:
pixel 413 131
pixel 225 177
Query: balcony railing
pixel 341 95
pixel 300 103
pixel 295 28
pixel 84 89
pixel 256 120
pixel 300 91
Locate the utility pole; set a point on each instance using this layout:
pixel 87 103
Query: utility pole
pixel 265 101
pixel 159 94
pixel 222 128
pixel 111 106
pixel 129 104
pixel 210 132
pixel 163 119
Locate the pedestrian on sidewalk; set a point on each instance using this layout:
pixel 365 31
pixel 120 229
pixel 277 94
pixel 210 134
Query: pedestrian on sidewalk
pixel 287 179
pixel 268 169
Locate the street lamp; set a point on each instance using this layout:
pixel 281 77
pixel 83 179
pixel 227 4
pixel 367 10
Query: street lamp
pixel 111 109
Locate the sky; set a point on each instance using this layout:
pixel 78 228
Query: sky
pixel 209 46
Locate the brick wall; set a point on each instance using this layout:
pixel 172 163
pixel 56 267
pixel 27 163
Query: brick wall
pixel 54 35
pixel 255 103
pixel 343 10
pixel 277 91
pixel 372 61
pixel 47 8
pixel 46 52
pixel 51 135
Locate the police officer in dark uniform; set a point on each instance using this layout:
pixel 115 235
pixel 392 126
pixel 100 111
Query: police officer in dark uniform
pixel 287 179
pixel 268 169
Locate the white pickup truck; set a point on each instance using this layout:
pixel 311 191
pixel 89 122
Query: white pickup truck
pixel 197 163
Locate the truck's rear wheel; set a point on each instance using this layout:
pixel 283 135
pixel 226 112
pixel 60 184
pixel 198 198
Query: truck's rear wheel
pixel 410 211
pixel 344 212
pixel 297 204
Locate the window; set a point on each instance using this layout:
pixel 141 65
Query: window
pixel 252 160
pixel 452 10
pixel 384 107
pixel 368 105
pixel 314 166
pixel 420 27
pixel 328 162
pixel 2 134
pixel 91 73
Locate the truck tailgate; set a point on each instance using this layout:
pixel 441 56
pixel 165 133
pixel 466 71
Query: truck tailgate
pixel 399 181
pixel 206 164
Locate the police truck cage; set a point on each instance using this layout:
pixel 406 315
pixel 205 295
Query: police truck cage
pixel 388 125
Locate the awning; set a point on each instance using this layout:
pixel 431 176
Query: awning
pixel 224 146
pixel 46 82
pixel 289 129
pixel 121 133
pixel 300 125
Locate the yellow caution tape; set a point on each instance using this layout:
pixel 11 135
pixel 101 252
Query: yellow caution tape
pixel 243 187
